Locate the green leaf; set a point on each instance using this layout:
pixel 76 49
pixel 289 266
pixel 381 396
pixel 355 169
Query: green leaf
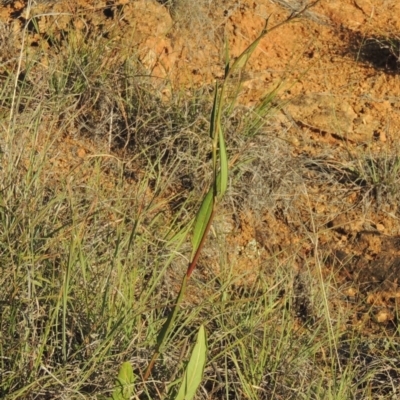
pixel 227 58
pixel 241 61
pixel 193 374
pixel 214 112
pixel 222 182
pixel 202 218
pixel 124 383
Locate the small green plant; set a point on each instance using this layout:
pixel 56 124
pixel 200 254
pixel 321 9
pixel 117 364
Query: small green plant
pixel 194 371
pixel 206 212
pixel 205 215
pixel 124 384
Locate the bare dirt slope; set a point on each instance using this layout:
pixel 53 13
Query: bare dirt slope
pixel 340 74
pixel 337 68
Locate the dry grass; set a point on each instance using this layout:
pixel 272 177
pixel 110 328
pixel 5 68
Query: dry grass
pixel 100 179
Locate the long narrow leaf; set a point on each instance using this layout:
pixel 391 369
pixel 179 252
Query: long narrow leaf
pixel 202 219
pixel 241 61
pixel 227 58
pixel 224 169
pixel 214 112
pixel 239 65
pixel 195 369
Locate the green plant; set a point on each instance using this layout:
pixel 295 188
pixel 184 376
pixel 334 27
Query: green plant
pixel 220 168
pixel 124 384
pixel 206 212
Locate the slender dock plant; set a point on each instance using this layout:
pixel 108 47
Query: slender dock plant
pixel 224 99
pixel 217 190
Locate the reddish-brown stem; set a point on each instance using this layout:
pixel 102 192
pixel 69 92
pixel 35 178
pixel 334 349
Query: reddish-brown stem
pixel 190 269
pixel 150 366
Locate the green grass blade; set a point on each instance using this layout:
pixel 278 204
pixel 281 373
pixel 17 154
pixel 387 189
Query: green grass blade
pixel 227 58
pixel 193 374
pixel 241 61
pixel 214 112
pixel 224 169
pixel 239 65
pixel 202 218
